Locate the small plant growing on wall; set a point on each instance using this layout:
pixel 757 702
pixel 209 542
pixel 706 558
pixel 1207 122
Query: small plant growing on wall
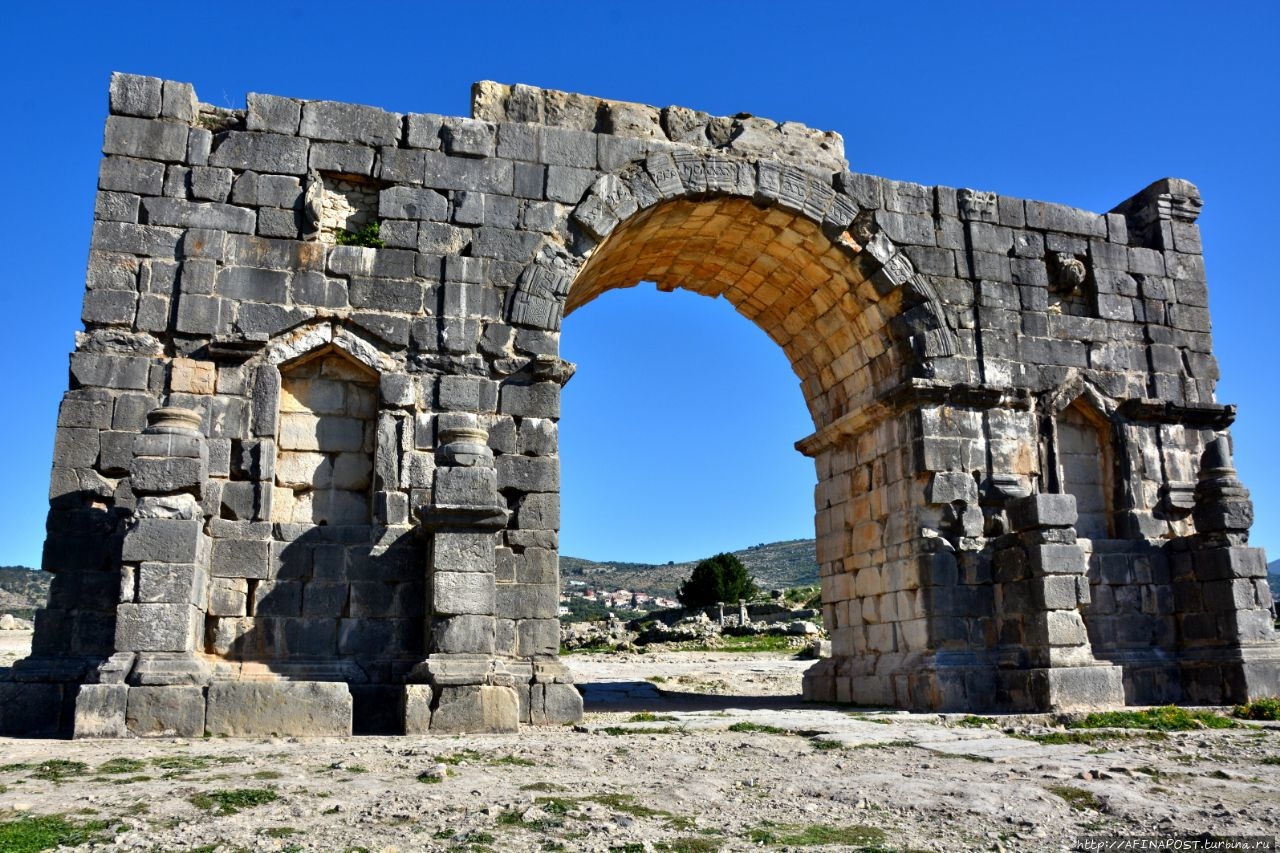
pixel 366 236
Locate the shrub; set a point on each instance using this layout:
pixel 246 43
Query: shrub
pixel 719 578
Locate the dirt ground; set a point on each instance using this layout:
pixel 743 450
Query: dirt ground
pixel 729 760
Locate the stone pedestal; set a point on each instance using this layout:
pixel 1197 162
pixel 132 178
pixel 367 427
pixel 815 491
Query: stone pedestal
pixel 1045 660
pixel 164 577
pixel 1227 645
pixel 470 689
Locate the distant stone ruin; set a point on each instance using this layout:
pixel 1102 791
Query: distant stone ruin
pixel 303 485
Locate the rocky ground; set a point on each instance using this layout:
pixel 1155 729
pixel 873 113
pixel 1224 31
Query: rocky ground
pixel 679 752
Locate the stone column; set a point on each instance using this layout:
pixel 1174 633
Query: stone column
pixel 164 577
pixel 1046 661
pixel 1226 638
pixel 462 685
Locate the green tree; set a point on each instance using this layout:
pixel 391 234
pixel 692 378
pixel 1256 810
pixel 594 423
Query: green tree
pixel 718 578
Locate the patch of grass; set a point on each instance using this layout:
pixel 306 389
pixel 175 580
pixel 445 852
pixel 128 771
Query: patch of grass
pixel 1078 798
pixel 1168 718
pixel 796 835
pixel 1086 738
pixel 233 801
pixel 689 844
pixel 430 777
pixel 32 833
pixel 617 731
pixel 747 726
pixel 267 774
pixel 122 765
pixel 822 744
pixel 14 768
pixel 627 804
pixel 656 679
pixel 650 717
pixel 279 831
pixel 974 722
pixel 542 786
pixel 633 847
pixel 57 769
pixel 1259 709
pixel 179 766
pixel 1271 759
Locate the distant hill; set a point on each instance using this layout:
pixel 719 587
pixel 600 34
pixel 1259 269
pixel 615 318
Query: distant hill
pixel 22 590
pixel 1273 578
pixel 775 565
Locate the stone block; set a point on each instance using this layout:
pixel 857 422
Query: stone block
pixel 466 486
pixel 528 473
pixel 173 583
pixel 469 138
pixel 228 597
pixel 338 122
pixel 539 400
pixel 277 598
pixel 462 593
pixel 240 558
pixel 280 709
pixel 463 552
pixel 158 475
pixel 476 709
pixel 417 709
pixel 146 139
pixel 272 113
pixel 1043 510
pixel 464 635
pixel 135 95
pixel 129 175
pixel 537 637
pixel 555 704
pixel 100 711
pixel 157 627
pixel 165 540
pixel 261 152
pixel 1055 559
pixel 412 203
pixel 342 158
pixel 189 214
pixel 170 711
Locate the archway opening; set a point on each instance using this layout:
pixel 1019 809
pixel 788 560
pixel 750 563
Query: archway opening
pixel 837 323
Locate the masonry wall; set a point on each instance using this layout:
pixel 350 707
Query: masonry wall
pixel 950 330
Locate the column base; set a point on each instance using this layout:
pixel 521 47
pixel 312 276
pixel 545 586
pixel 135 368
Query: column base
pixel 1231 675
pixel 1073 688
pixel 169 669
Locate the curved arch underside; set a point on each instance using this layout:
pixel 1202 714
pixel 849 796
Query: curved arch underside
pixel 777 269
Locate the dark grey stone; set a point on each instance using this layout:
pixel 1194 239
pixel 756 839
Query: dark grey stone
pixel 337 122
pixel 261 152
pixel 148 139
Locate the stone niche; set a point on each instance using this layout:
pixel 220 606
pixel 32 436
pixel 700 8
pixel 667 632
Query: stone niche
pixel 324 466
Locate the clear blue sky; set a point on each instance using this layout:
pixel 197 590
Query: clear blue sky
pixel 677 431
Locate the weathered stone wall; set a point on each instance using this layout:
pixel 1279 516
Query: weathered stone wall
pixel 289 460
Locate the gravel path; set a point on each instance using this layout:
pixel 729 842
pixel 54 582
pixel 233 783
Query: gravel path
pixel 729 759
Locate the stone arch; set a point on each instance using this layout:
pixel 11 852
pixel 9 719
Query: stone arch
pixel 764 225
pixel 794 254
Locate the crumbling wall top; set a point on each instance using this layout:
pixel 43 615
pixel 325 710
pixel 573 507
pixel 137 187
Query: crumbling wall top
pixel 743 132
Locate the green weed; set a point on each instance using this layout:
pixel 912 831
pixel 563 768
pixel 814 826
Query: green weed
pixel 650 717
pixel 122 765
pixel 366 236
pixel 973 722
pixel 32 833
pixel 795 835
pixel 654 730
pixel 1078 798
pixel 1169 718
pixel 747 726
pixel 1259 709
pixel 233 801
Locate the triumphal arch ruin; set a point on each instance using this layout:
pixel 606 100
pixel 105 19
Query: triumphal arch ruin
pixel 302 484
